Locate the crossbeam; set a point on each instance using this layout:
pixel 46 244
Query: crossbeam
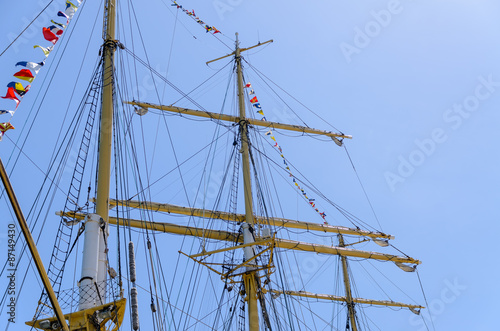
pixel 231 248
pixel 241 50
pixel 272 221
pixel 235 237
pixel 236 119
pixel 343 299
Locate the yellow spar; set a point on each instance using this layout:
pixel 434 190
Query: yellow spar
pixel 229 236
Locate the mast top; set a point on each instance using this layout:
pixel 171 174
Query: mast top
pixel 237 42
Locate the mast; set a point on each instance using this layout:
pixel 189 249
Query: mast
pixel 94 262
pixel 249 278
pixel 94 313
pixel 106 135
pixel 347 284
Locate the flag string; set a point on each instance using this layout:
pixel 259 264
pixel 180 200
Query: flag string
pixel 258 108
pixel 16 90
pixel 208 28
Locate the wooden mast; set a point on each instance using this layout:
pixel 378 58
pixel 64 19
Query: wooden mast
pixel 92 316
pixel 106 134
pixel 249 278
pixel 347 284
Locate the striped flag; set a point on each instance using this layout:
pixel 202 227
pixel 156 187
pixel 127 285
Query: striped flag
pixel 33 66
pixel 24 74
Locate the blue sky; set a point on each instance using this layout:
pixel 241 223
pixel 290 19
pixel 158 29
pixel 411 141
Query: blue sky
pixel 416 83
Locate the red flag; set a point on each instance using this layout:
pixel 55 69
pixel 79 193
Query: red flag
pixel 50 36
pixel 11 94
pixel 248 85
pixel 254 100
pixel 25 74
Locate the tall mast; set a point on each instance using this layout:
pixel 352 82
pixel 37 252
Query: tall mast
pixel 106 134
pixel 93 282
pixel 347 284
pixel 249 278
pixel 94 263
pixel 93 310
pixel 105 137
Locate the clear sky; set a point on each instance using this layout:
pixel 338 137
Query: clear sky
pixel 416 83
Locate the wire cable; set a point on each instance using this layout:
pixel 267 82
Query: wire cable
pixel 26 28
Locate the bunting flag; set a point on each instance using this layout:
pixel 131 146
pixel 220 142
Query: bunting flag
pixel 56 30
pixel 61 14
pixel 49 36
pixel 208 28
pixel 70 9
pixel 34 67
pixel 4 127
pixel 19 88
pixel 62 26
pixel 255 103
pixel 45 50
pixel 25 74
pixel 11 94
